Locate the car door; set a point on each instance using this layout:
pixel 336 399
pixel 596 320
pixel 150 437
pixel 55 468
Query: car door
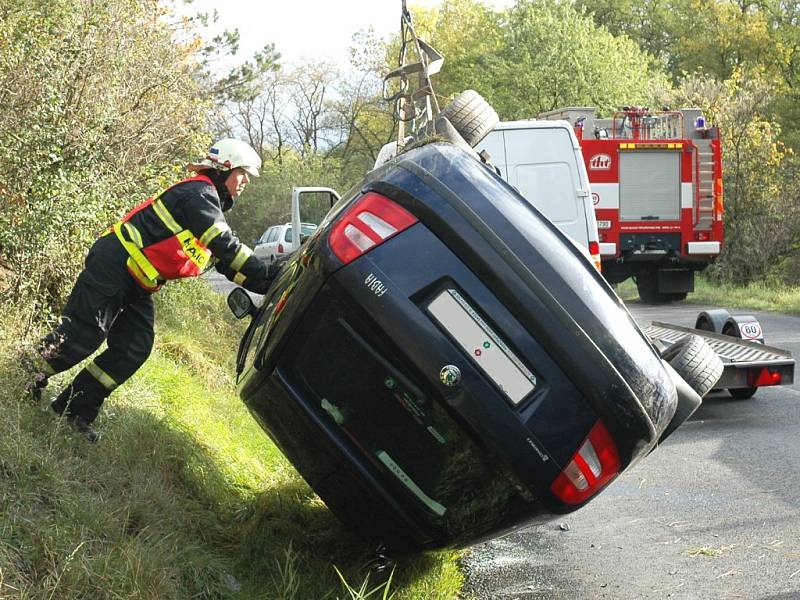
pixel 314 203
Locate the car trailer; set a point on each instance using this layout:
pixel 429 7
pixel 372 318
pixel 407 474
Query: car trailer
pixel 739 342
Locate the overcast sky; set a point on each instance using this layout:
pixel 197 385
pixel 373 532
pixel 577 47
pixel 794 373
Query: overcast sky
pixel 316 29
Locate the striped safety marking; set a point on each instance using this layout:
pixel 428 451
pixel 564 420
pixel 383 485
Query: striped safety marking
pixel 104 378
pixel 241 258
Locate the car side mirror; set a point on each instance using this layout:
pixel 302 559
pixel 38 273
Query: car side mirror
pixel 241 304
pixel 303 238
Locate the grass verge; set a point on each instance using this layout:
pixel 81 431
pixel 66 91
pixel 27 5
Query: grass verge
pixel 185 496
pixel 770 297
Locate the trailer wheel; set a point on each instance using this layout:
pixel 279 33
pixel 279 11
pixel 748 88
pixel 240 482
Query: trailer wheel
pixel 695 361
pixel 712 320
pixel 471 115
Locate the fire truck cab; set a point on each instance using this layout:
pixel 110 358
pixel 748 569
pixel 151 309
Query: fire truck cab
pixel 656 183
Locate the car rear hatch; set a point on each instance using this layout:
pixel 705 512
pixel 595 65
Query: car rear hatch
pixel 474 362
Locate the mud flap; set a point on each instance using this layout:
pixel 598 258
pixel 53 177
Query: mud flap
pixel 675 281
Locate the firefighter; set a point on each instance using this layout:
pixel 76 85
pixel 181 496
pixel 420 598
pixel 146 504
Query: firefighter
pixel 178 233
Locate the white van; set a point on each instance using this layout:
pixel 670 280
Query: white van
pixel 543 160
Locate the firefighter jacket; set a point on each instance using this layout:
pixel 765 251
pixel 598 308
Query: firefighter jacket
pixel 176 233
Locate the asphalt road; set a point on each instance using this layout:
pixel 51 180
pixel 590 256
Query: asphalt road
pixel 223 286
pixel 713 513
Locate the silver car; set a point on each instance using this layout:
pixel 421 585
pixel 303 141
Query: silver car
pixel 277 240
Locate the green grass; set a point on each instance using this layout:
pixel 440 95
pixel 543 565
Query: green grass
pixel 772 297
pixel 185 496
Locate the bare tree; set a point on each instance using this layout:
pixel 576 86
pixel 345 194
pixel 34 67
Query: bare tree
pixel 309 87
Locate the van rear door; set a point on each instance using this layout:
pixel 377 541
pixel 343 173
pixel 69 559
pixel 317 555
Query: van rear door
pixel 541 164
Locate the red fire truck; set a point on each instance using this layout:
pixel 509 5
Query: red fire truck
pixel 656 180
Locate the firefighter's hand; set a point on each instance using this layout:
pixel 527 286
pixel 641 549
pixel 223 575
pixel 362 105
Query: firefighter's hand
pixel 275 267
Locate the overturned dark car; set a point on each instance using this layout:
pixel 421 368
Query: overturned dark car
pixel 442 364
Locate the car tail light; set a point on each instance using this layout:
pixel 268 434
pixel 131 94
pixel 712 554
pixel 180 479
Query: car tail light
pixel 763 377
pixel 280 248
pixel 594 250
pixel 372 220
pixel 592 467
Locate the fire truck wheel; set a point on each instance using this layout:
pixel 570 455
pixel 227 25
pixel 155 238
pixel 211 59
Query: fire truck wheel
pixel 696 362
pixel 647 286
pixel 677 296
pixel 471 115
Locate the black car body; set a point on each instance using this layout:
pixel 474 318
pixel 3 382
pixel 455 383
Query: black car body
pixel 442 365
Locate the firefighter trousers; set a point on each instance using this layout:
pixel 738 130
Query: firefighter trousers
pixel 105 304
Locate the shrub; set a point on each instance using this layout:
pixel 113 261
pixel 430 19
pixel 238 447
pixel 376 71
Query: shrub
pixel 99 100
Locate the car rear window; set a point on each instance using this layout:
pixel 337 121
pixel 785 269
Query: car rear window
pixel 405 433
pixel 305 229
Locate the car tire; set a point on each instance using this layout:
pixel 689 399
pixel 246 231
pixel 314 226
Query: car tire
pixel 695 361
pixel 471 116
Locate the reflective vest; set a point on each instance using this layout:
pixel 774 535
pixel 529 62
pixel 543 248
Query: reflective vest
pixel 177 256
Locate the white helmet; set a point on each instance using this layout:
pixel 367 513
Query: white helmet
pixel 228 154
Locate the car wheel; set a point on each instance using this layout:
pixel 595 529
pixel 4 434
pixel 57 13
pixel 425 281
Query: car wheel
pixel 695 361
pixel 471 116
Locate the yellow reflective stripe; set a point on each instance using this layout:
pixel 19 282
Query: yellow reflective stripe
pixel 137 273
pixel 241 258
pixel 135 253
pixel 104 378
pixel 239 279
pixel 134 234
pixel 212 232
pixel 164 215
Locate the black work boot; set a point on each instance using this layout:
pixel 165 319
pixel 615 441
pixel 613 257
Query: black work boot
pixel 82 426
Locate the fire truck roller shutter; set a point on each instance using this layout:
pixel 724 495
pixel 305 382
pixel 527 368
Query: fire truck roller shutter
pixel 649 186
